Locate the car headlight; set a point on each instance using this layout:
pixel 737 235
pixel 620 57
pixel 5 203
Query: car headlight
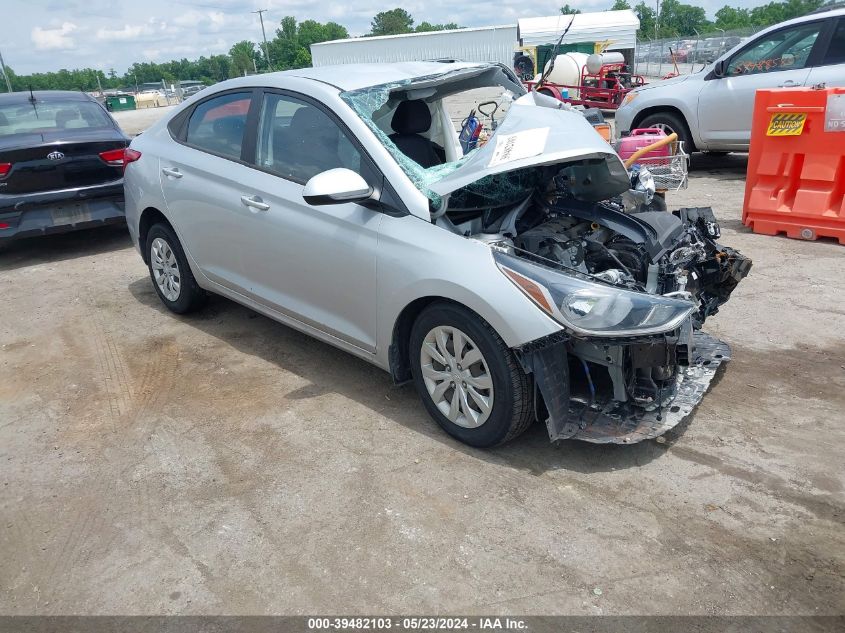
pixel 645 183
pixel 590 308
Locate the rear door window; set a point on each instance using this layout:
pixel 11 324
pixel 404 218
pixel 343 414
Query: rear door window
pixel 836 50
pixel 298 140
pixel 219 124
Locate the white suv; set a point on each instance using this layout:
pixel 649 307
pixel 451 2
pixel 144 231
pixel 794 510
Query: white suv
pixel 712 110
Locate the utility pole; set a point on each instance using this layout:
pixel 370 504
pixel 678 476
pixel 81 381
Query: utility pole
pixel 5 74
pixel 656 18
pixel 260 13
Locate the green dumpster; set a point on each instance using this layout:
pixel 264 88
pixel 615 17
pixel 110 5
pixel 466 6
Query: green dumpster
pixel 116 103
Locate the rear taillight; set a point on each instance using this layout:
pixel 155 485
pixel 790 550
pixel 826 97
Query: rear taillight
pixel 5 168
pixel 130 156
pixel 113 157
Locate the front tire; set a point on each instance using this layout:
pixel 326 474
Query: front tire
pixel 468 379
pixel 171 276
pixel 669 123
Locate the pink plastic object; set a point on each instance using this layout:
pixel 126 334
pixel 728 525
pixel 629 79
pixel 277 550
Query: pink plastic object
pixel 639 138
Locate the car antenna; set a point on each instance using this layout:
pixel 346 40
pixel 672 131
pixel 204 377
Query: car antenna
pixel 32 100
pixel 551 66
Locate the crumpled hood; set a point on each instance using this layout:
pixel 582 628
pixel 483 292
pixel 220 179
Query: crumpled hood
pixel 536 131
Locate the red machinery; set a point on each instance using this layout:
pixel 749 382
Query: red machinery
pixel 604 89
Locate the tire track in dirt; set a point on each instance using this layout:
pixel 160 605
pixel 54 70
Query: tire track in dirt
pixel 134 389
pixel 88 535
pixel 113 374
pixel 159 374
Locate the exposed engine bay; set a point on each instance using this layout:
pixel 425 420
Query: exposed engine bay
pixel 630 283
pixel 620 388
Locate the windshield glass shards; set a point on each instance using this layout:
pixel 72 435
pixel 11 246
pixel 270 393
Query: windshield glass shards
pixel 438 131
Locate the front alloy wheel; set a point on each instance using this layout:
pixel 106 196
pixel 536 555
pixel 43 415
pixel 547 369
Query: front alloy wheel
pixel 469 381
pixel 456 376
pixel 669 122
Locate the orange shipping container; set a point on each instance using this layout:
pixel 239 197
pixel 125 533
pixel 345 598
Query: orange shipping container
pixel 796 165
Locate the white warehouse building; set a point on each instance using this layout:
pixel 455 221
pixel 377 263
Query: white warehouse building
pixel 486 43
pixel 618 28
pixel 481 44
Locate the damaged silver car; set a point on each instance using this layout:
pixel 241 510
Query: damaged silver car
pixel 513 275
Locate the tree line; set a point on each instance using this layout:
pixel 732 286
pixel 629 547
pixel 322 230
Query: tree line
pixel 290 45
pixel 677 19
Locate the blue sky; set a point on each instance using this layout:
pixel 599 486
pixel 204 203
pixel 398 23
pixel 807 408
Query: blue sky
pixel 41 35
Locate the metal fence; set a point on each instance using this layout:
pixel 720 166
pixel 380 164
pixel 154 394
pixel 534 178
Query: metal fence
pixel 654 58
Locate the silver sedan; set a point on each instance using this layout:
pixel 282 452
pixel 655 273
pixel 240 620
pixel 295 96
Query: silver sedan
pixel 513 271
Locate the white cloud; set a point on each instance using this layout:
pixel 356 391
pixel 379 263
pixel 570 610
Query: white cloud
pixel 48 39
pixel 209 21
pixel 126 33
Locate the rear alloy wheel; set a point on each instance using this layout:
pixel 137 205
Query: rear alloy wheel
pixel 669 122
pixel 165 269
pixel 172 278
pixel 468 379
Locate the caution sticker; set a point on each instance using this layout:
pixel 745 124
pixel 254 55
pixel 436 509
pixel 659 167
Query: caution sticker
pixel 791 124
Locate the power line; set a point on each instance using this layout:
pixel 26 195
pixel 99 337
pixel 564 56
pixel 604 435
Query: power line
pixel 260 13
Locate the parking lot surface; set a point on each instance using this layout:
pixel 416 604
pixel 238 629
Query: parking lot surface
pixel 224 463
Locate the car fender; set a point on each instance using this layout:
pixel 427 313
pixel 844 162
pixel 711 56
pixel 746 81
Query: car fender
pixel 681 96
pixel 440 264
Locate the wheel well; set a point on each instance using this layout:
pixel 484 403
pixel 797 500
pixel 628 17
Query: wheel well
pixel 400 359
pixel 669 109
pixel 149 217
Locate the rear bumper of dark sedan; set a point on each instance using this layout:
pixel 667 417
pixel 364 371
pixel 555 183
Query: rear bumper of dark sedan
pixel 36 214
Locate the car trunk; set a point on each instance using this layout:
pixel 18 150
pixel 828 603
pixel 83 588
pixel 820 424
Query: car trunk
pixel 50 161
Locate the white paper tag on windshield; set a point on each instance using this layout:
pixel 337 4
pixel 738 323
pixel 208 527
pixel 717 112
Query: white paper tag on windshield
pixel 525 144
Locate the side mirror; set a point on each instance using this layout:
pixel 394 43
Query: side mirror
pixel 720 68
pixel 336 186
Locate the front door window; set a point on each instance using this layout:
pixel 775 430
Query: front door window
pixel 787 49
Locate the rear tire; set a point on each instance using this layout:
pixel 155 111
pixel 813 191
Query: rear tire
pixel 170 273
pixel 669 122
pixel 454 384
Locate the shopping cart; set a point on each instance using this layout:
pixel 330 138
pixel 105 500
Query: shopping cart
pixel 670 172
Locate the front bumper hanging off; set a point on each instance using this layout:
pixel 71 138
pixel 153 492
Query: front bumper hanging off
pixel 615 423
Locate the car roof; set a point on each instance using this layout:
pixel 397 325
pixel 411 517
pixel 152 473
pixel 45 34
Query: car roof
pixel 821 14
pixel 810 17
pixel 23 96
pixel 356 76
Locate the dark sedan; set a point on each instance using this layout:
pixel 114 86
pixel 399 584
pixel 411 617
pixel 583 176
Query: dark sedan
pixel 61 164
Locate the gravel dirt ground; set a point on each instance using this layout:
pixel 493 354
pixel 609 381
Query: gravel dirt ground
pixel 225 464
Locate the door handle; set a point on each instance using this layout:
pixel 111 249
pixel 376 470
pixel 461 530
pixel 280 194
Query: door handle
pixel 255 202
pixel 172 172
pixel 789 84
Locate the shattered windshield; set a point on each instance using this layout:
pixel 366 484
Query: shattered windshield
pixel 444 95
pixel 480 153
